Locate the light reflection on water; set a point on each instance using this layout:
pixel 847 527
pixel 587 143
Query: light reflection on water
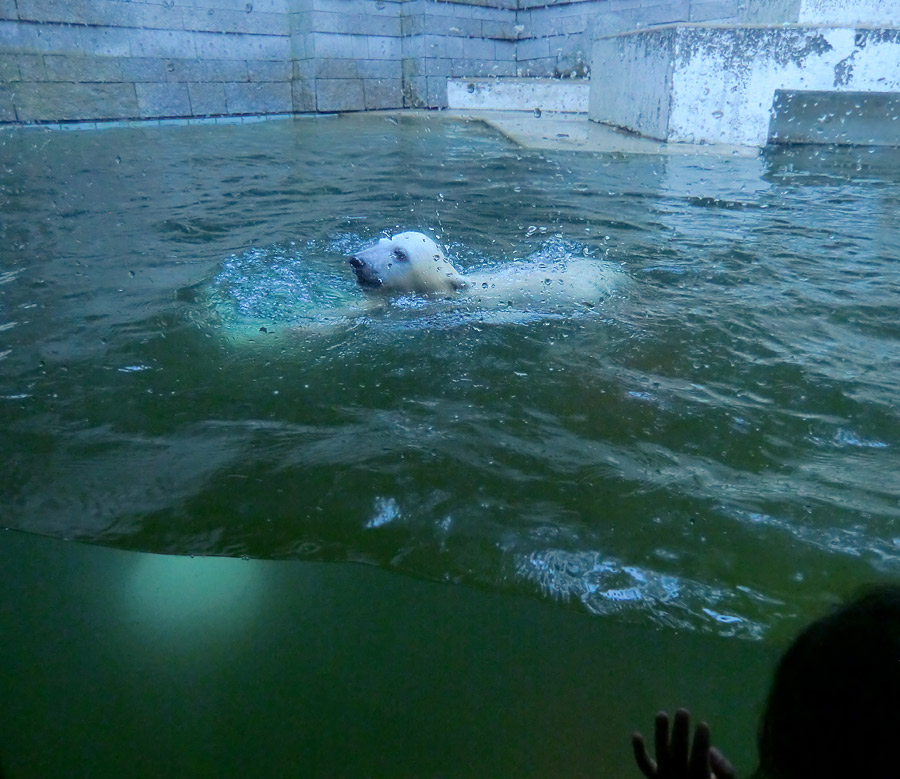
pixel 174 602
pixel 187 366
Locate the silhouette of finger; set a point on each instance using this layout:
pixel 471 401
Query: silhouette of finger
pixel 644 761
pixel 721 768
pixel 661 740
pixel 681 734
pixel 699 768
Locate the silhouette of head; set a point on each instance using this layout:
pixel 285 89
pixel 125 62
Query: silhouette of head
pixel 834 706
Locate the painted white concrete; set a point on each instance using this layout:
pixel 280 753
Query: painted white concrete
pixel 631 81
pixel 718 84
pixel 573 132
pixel 724 81
pixel 511 94
pixel 858 13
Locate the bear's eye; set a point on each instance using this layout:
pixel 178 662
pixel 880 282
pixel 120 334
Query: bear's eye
pixel 400 255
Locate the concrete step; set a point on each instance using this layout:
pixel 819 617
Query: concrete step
pixel 519 94
pixel 718 84
pixel 823 13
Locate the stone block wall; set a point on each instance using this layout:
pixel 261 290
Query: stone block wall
pixel 77 60
pixel 347 55
pixel 445 39
pixel 556 37
pixel 107 59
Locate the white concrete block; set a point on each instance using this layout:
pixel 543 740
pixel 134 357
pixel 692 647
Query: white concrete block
pixel 724 81
pixel 163 43
pixel 8 10
pixel 533 48
pixel 841 13
pixel 258 98
pixel 382 47
pixel 337 45
pixel 510 94
pixel 344 94
pixel 78 68
pixel 708 84
pixel 106 41
pixel 860 118
pixel 166 99
pixel 631 81
pixel 60 38
pixel 207 99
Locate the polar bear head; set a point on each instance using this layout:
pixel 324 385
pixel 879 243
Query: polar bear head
pixel 408 262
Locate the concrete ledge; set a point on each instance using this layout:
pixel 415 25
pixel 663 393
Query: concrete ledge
pixel 858 118
pixel 172 122
pixel 502 94
pixel 574 132
pixel 714 84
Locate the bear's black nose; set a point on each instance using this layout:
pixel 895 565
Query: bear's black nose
pixel 355 262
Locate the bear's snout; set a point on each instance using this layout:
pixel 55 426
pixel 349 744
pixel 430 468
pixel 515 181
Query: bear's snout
pixel 365 273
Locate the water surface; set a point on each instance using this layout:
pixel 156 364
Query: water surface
pixel 187 367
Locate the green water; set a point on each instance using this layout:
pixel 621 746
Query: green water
pixel 122 664
pixel 707 456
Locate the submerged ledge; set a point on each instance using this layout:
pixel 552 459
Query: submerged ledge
pixel 105 124
pixel 575 132
pixel 549 130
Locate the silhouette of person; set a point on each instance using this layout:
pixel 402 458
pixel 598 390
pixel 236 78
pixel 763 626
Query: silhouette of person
pixel 833 710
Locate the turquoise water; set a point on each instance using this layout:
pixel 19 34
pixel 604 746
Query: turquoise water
pixel 186 365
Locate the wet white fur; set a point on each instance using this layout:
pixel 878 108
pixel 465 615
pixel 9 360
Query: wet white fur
pixel 411 262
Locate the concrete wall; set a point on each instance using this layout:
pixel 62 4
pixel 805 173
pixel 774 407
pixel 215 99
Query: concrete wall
pixel 636 102
pixel 108 59
pixel 454 39
pixel 809 116
pixel 556 37
pixel 346 54
pixel 832 13
pixel 710 84
pixel 64 60
pixel 724 82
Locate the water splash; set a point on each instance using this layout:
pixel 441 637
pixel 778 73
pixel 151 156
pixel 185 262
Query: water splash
pixel 604 586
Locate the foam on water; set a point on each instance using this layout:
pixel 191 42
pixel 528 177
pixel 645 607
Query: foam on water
pixel 308 285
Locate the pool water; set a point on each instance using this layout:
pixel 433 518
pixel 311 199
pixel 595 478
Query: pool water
pixel 187 367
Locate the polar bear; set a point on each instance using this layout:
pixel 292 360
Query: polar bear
pixel 411 262
pixel 408 262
